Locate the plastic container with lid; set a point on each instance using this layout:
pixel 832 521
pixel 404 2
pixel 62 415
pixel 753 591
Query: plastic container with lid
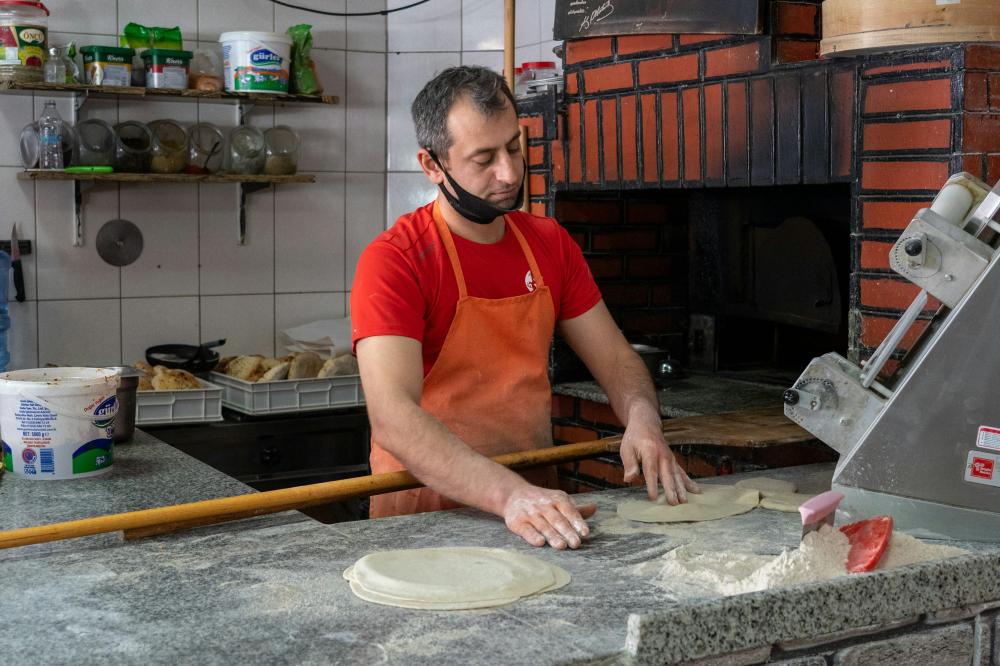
pixel 256 61
pixel 24 40
pixel 107 65
pixel 170 147
pixel 97 143
pixel 246 150
pixel 133 147
pixel 166 68
pixel 206 148
pixel 281 145
pixel 542 69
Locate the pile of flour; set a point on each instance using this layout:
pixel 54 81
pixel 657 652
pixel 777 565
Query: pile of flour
pixel 821 556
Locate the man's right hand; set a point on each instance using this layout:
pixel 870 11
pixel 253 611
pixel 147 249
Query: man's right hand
pixel 541 516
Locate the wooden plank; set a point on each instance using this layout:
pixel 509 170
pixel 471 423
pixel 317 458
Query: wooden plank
pixel 10 86
pixel 851 26
pixel 755 428
pixel 167 177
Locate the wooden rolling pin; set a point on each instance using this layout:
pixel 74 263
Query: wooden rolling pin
pixel 147 522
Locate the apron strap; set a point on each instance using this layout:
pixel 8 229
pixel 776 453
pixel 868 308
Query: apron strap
pixel 449 246
pixel 528 254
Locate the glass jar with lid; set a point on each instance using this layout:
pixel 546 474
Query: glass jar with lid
pixel 281 144
pixel 96 143
pixel 133 147
pixel 246 150
pixel 206 148
pixel 170 147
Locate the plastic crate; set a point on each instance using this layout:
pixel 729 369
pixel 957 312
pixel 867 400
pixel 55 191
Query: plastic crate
pixel 289 395
pixel 200 405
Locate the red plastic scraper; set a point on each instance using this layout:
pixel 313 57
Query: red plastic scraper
pixel 868 539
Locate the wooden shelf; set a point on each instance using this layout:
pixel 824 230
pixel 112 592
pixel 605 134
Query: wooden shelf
pixel 132 91
pixel 167 177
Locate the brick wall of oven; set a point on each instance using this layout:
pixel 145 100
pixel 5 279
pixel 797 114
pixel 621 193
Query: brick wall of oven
pixel 672 112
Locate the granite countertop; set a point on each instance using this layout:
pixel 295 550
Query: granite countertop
pixel 147 473
pixel 267 591
pixel 693 395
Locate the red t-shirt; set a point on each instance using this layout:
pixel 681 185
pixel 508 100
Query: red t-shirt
pixel 404 283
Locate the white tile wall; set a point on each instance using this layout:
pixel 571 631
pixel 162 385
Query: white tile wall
pixel 467 32
pixel 193 281
pixel 157 321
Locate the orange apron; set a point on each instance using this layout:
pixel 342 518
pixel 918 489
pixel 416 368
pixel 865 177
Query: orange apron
pixel 489 385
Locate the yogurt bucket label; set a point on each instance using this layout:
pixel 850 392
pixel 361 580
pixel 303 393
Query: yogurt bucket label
pixel 256 62
pixel 61 428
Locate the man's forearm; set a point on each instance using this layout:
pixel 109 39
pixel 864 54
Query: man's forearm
pixel 629 388
pixel 442 461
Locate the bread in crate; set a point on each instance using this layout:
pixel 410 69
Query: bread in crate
pixel 304 365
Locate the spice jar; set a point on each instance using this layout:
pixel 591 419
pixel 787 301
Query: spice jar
pixel 97 142
pixel 170 147
pixel 246 150
pixel 133 145
pixel 281 144
pixel 206 148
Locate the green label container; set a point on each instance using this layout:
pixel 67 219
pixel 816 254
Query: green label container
pixel 107 65
pixel 166 68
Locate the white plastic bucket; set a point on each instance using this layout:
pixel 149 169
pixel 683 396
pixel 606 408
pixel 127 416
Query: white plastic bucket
pixel 58 423
pixel 256 61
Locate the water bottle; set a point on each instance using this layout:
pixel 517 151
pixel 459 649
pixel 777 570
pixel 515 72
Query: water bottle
pixel 4 317
pixel 50 127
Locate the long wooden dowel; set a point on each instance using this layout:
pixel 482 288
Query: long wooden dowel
pixel 182 516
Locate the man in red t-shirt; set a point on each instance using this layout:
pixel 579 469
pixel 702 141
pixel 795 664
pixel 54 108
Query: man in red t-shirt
pixel 454 309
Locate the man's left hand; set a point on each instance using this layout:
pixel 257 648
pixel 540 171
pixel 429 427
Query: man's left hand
pixel 643 446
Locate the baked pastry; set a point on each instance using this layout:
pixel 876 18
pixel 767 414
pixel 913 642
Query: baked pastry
pixel 345 364
pixel 279 371
pixel 143 367
pixel 145 384
pixel 223 363
pixel 245 367
pixel 305 366
pixel 169 379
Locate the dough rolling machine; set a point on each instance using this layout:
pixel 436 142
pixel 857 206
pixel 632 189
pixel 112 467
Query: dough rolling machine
pixel 925 448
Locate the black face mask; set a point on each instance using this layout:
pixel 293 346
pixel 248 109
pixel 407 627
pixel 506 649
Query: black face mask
pixel 468 205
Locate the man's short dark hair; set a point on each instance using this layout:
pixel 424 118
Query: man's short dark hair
pixel 486 89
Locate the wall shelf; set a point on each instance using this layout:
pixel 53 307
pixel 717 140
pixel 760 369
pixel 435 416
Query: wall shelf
pixel 132 91
pixel 167 177
pixel 249 183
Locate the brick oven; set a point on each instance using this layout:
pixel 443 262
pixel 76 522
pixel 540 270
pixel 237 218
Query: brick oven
pixel 662 145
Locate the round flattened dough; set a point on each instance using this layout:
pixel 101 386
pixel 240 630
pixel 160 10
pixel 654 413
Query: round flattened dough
pixel 712 503
pixel 784 501
pixel 767 485
pixel 451 578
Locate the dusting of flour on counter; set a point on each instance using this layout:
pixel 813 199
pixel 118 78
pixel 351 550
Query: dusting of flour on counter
pixel 821 556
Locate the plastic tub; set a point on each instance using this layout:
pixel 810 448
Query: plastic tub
pixel 107 65
pixel 166 68
pixel 23 37
pixel 256 61
pixel 58 423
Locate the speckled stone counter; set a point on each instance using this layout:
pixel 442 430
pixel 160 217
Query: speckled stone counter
pixel 265 591
pixel 693 395
pixel 147 473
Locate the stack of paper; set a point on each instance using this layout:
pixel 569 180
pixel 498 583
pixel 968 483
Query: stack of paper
pixel 326 337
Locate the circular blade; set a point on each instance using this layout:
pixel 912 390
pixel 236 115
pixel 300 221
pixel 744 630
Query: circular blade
pixel 119 242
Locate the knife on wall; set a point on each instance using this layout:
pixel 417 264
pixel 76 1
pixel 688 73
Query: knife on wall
pixel 15 264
